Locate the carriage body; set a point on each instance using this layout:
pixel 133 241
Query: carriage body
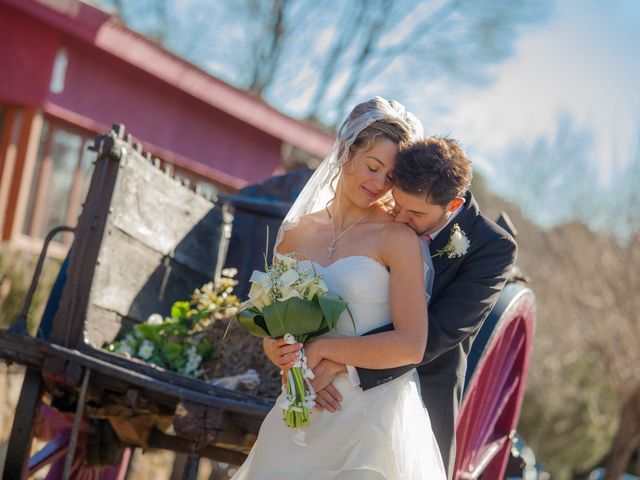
pixel 144 240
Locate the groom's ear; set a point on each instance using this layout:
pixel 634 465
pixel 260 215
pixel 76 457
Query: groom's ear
pixel 454 204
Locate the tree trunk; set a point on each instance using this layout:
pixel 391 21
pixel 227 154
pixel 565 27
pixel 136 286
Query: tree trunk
pixel 627 437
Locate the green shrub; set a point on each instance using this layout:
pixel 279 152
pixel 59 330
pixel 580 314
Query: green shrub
pixel 17 269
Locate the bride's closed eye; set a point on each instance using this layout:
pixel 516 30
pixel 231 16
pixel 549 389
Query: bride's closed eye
pixel 373 170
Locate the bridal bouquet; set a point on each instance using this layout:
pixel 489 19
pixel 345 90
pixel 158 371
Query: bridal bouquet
pixel 179 342
pixel 291 301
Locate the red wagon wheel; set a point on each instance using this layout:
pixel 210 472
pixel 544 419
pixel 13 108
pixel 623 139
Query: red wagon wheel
pixel 492 402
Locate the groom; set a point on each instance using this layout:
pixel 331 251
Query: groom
pixel 431 180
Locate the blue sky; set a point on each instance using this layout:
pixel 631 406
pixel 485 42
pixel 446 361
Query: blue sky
pixel 584 63
pixel 554 125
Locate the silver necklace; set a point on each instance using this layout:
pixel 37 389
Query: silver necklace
pixel 332 246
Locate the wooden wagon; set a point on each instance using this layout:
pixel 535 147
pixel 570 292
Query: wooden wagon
pixel 142 241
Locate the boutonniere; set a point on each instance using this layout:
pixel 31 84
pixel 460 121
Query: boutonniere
pixel 457 245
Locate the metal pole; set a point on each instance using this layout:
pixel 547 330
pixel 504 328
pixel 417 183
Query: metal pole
pixel 191 468
pixel 75 430
pixel 21 324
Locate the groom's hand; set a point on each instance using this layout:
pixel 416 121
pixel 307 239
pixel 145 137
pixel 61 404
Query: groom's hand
pixel 327 396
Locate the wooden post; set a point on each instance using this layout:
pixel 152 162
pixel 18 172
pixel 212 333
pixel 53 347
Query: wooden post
pixel 8 153
pixel 18 196
pixel 28 408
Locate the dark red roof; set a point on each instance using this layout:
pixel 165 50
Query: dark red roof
pixel 104 30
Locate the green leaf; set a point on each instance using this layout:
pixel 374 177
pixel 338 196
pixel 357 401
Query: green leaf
pixel 147 331
pixel 295 316
pixel 156 360
pixel 180 309
pixel 205 349
pixel 253 323
pixel 309 336
pixel 332 307
pixel 171 350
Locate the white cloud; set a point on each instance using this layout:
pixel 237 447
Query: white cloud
pixel 583 64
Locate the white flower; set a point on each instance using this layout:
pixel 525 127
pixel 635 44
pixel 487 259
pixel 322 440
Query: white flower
pixel 229 272
pixel 318 287
pixel 146 350
pixel 155 319
pixel 125 348
pixel 460 243
pixel 191 366
pixel 261 285
pixel 261 278
pixel 288 292
pixel 289 339
pixel 312 286
pixel 286 260
pixel 193 361
pixel 457 246
pixel 288 278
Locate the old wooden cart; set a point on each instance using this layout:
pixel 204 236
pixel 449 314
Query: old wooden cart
pixel 143 240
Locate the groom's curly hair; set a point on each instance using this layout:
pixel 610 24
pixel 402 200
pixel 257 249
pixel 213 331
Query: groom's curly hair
pixel 435 168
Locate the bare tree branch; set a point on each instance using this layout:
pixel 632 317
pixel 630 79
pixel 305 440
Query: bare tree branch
pixel 343 38
pixel 269 44
pixel 373 33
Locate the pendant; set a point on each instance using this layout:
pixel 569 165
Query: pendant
pixel 330 250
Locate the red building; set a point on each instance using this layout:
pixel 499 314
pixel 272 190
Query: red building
pixel 69 70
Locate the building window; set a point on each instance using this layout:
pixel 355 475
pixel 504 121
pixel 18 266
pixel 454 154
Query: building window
pixel 61 178
pixel 59 71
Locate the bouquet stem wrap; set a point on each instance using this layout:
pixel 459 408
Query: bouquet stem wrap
pixel 291 301
pixel 298 396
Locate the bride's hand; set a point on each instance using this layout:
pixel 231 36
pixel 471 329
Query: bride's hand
pixel 281 353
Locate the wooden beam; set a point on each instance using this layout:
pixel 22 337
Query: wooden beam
pixel 177 444
pixel 27 148
pixel 33 352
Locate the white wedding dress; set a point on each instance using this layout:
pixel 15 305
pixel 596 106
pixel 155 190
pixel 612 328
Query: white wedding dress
pixel 381 433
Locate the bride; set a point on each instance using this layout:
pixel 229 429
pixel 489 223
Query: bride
pixel 340 226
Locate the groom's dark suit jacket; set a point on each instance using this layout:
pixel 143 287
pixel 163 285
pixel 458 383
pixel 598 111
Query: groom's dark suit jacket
pixel 464 292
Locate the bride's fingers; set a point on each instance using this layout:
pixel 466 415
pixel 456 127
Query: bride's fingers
pixel 325 400
pixel 333 391
pixel 285 349
pixel 288 360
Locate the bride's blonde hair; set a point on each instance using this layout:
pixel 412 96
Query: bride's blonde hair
pixel 392 128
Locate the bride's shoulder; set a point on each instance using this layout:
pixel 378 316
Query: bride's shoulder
pixel 399 240
pixel 392 231
pixel 400 232
pixel 292 237
pixel 312 220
